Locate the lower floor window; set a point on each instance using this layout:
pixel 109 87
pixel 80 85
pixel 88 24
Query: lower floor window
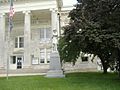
pixel 48 55
pixel 13 60
pixel 35 60
pixel 16 62
pixel 42 60
pixel 44 56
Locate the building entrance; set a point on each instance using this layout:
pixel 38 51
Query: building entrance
pixel 19 62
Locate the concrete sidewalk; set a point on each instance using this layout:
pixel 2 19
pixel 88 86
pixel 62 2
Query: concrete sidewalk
pixel 29 74
pixel 23 72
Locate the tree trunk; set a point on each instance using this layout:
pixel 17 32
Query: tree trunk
pixel 105 66
pixel 119 63
pixel 119 68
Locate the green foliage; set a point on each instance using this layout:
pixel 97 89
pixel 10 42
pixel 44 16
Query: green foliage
pixel 66 52
pixel 94 28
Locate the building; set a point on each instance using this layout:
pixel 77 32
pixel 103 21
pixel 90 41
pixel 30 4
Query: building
pixel 30 42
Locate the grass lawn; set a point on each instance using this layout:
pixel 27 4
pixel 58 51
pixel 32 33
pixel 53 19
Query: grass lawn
pixel 74 81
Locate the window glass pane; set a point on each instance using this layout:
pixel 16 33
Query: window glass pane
pixel 42 55
pixel 48 33
pixel 16 42
pixel 48 55
pixel 42 60
pixel 16 45
pixel 13 60
pixel 35 61
pixel 21 42
pixel 21 45
pixel 48 60
pixel 41 33
pixel 21 39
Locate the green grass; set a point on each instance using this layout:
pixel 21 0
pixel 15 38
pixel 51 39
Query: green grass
pixel 74 81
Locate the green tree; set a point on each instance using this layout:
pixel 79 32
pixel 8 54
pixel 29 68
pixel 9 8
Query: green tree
pixel 94 28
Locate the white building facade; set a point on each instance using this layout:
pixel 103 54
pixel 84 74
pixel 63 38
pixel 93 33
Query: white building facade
pixel 30 42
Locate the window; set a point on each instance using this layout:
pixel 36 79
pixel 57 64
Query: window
pixel 42 32
pixel 84 59
pixel 45 55
pixel 13 60
pixel 35 60
pixel 48 55
pixel 19 42
pixel 48 33
pixel 16 42
pixel 42 55
pixel 45 34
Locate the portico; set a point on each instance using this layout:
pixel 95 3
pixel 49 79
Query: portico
pixel 30 40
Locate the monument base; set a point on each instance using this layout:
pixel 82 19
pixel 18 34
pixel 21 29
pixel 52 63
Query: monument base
pixel 55 66
pixel 55 74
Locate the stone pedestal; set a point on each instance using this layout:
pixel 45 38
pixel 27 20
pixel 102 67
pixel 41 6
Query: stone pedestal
pixel 55 70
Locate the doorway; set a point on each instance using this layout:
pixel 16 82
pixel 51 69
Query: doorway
pixel 19 62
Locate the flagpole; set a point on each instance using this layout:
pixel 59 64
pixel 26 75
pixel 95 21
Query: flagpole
pixel 8 54
pixel 10 26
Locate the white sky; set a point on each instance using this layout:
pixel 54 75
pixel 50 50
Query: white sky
pixel 69 2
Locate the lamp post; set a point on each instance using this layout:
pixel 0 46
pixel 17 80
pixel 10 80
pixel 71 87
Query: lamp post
pixel 59 6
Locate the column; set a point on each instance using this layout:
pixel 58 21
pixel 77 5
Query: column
pixel 2 40
pixel 27 39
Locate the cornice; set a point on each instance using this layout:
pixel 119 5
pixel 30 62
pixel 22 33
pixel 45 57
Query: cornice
pixel 30 6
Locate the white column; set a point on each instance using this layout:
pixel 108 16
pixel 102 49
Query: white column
pixel 27 39
pixel 2 39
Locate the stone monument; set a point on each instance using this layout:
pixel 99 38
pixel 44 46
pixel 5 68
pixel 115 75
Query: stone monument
pixel 55 69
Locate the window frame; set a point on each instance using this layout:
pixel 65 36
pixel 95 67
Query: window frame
pixel 17 42
pixel 46 30
pixel 42 55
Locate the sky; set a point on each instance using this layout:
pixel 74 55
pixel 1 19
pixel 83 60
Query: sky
pixel 69 2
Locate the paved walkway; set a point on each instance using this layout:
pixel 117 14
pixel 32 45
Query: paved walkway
pixel 26 72
pixel 23 72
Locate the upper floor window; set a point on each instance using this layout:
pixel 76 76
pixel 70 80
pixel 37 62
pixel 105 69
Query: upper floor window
pixel 45 34
pixel 19 42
